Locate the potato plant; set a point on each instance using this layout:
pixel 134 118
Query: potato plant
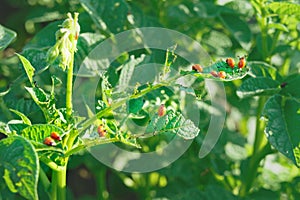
pixel 254 48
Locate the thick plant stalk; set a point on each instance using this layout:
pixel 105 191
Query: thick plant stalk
pixel 64 49
pixel 260 149
pixel 59 183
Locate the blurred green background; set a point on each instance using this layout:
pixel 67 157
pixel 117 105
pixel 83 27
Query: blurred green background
pixel 224 29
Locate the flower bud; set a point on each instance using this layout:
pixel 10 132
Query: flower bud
pixel 52 54
pixel 67 23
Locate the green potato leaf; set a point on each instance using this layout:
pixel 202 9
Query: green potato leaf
pixel 258 86
pixel 173 123
pixel 38 132
pixel 28 68
pixel 290 86
pixel 283 125
pixel 23 117
pixel 19 166
pixel 6 37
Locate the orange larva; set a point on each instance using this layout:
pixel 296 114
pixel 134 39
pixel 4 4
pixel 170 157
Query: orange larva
pixel 230 62
pixel 101 131
pixel 214 73
pixel 197 67
pixel 162 110
pixel 55 136
pixel 222 74
pixel 242 62
pixel 49 141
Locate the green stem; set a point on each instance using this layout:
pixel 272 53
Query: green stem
pixel 53 186
pixel 58 185
pixel 89 144
pixel 252 170
pixel 58 182
pixel 71 138
pixel 260 139
pixel 50 163
pixel 116 105
pixel 261 148
pixel 264 37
